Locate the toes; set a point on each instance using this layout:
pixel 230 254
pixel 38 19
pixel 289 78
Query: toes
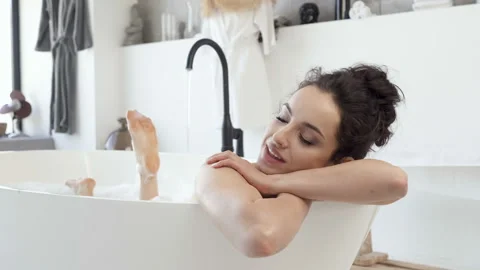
pixel 133 114
pixel 138 122
pixel 83 186
pixel 88 182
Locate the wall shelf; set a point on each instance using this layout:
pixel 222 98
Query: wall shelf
pixel 379 19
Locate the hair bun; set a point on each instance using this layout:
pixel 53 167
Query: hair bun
pixel 384 94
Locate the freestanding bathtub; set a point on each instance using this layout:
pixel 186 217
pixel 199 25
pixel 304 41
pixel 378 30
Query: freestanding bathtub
pixel 41 230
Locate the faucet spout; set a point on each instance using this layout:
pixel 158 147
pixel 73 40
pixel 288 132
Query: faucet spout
pixel 229 133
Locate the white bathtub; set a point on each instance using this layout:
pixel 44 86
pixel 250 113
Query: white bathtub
pixel 47 231
pixel 438 222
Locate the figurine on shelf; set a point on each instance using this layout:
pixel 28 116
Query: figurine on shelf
pixel 309 13
pixel 134 32
pixel 235 26
pixel 360 11
pixel 277 23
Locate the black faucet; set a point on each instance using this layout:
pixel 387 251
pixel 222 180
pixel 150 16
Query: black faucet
pixel 229 133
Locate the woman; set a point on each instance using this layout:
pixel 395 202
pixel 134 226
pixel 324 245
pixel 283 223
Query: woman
pixel 313 150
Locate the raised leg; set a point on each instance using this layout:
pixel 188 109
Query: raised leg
pixel 145 146
pixel 82 187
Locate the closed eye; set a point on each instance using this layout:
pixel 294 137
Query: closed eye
pixel 281 119
pixel 304 141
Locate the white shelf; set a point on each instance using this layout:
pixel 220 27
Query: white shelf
pixel 380 19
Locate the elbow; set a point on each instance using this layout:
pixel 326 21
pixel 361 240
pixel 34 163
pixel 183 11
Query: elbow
pixel 399 184
pixel 259 243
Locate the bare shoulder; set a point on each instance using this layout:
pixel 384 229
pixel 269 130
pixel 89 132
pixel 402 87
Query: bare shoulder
pixel 220 175
pixel 226 181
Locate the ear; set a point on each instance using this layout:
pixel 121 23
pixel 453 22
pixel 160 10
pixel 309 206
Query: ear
pixel 337 162
pixel 345 159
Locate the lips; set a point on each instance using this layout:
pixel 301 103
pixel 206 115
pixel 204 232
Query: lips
pixel 273 153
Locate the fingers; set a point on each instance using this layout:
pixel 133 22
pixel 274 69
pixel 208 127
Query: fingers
pixel 227 163
pixel 220 156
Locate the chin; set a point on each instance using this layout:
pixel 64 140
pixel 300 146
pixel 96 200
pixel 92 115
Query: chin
pixel 262 167
pixel 266 166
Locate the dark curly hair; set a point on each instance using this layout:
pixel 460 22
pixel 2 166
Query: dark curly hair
pixel 367 101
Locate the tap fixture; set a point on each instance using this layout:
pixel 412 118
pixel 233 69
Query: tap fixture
pixel 229 133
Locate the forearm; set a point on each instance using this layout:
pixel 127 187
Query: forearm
pixel 215 191
pixel 257 227
pixel 278 220
pixel 362 181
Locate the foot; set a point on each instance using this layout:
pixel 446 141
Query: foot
pixel 82 187
pixel 145 146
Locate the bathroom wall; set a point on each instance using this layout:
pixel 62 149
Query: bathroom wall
pixel 6 56
pixel 108 36
pixel 152 9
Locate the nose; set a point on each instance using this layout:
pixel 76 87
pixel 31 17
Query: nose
pixel 280 138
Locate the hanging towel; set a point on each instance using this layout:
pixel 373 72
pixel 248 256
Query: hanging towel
pixel 237 33
pixel 64 30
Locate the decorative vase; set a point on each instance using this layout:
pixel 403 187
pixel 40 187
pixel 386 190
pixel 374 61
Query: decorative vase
pixel 120 139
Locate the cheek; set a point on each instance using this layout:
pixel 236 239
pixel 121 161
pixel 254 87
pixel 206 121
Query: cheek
pixel 310 158
pixel 269 131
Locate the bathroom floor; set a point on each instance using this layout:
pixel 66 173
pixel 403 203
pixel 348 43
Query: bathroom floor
pixel 377 267
pixel 382 267
pixel 396 265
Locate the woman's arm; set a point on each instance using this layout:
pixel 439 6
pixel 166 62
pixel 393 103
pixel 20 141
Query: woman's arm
pixel 366 181
pixel 256 226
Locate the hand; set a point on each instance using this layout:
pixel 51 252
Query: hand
pixel 262 182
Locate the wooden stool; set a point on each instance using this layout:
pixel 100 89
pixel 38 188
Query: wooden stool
pixel 366 256
pixel 368 259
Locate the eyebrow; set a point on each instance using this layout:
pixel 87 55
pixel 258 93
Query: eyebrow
pixel 314 128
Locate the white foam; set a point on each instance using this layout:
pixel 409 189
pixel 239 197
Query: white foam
pixel 181 193
pixel 41 187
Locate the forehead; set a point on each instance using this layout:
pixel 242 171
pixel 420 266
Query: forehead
pixel 316 107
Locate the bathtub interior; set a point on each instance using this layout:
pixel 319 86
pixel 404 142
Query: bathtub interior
pixel 47 171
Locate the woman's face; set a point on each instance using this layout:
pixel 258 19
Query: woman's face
pixel 303 136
